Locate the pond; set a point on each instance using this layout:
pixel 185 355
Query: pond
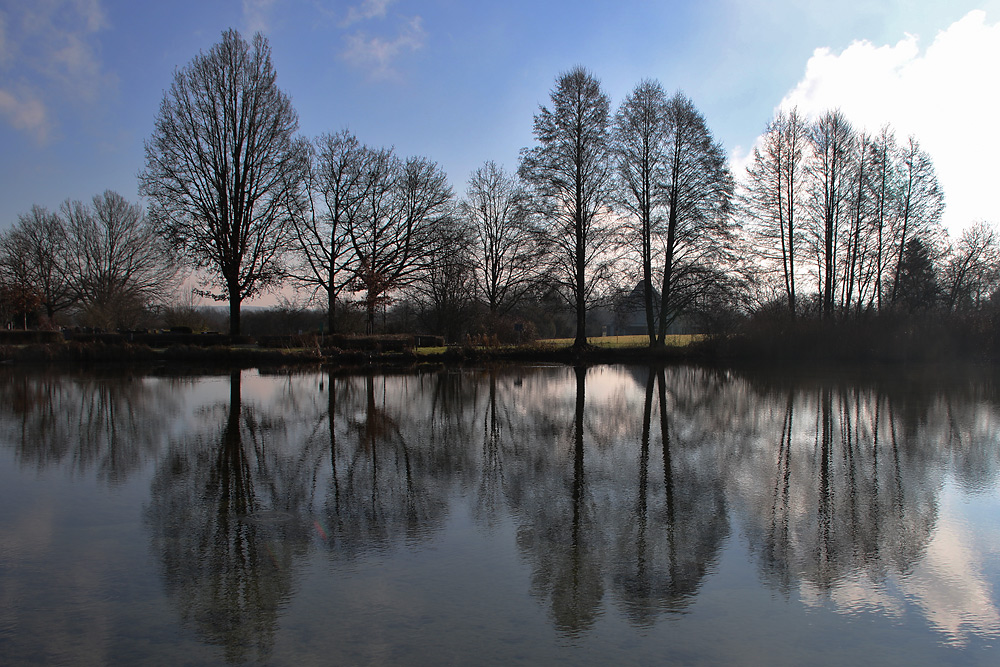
pixel 519 514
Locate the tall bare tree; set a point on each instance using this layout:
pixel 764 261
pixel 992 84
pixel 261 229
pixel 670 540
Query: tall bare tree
pixel 774 197
pixel 698 193
pixel 396 224
pixel 855 247
pixel 221 166
pixel 571 173
pixel 921 204
pixel 882 185
pixel 331 194
pixel 832 140
pixel 642 134
pixel 505 254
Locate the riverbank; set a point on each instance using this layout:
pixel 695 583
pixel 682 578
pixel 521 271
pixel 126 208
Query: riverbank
pixel 249 355
pixel 788 344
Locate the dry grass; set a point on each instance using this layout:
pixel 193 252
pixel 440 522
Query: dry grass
pixel 621 342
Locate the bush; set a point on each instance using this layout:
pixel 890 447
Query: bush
pixel 20 337
pixel 495 330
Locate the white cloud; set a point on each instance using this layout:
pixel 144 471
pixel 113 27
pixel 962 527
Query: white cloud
pixel 26 113
pixel 378 54
pixel 369 9
pixel 949 586
pixel 49 55
pixel 947 97
pixel 256 15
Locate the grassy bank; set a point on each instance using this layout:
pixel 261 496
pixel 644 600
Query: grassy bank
pixel 796 343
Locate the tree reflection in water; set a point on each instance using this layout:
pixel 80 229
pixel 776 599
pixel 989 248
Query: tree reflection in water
pixel 226 529
pixel 665 553
pixel 851 489
pixel 388 485
pixel 110 423
pixel 620 484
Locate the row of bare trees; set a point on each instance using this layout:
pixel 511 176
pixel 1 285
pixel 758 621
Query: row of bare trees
pixel 102 262
pixel 839 207
pixel 830 219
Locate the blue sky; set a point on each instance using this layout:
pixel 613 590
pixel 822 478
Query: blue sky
pixel 458 81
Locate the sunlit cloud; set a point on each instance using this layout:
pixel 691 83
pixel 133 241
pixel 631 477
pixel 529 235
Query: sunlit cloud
pixel 946 96
pixel 378 55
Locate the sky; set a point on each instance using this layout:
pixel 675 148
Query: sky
pixel 458 81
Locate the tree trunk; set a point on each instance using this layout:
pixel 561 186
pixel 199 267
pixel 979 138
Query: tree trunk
pixel 581 289
pixel 331 314
pixel 235 300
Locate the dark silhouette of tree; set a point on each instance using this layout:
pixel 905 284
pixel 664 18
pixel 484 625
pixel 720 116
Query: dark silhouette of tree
pixel 33 260
pixel 222 166
pixel 972 273
pixel 571 173
pixel 118 265
pixel 698 231
pixel 774 197
pixel 446 290
pixel 18 300
pixel 832 141
pixel 916 288
pixel 396 229
pixel 642 135
pixel 881 187
pixel 333 190
pixel 921 204
pixel 506 250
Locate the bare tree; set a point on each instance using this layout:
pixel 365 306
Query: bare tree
pixel 972 272
pixel 332 192
pixel 447 287
pixel 506 250
pixel 571 173
pixel 33 259
pixel 832 140
pixel 855 246
pixel 921 204
pixel 117 263
pixel 642 135
pixel 19 299
pixel 774 197
pixel 698 232
pixel 394 229
pixel 881 193
pixel 222 165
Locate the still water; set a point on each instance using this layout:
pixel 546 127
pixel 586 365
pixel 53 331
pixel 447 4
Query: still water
pixel 609 515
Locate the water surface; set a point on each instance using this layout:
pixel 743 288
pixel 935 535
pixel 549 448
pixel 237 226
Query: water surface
pixel 617 514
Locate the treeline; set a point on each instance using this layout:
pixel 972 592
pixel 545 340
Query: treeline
pixel 632 210
pixel 99 265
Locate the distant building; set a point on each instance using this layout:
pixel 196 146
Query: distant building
pixel 627 317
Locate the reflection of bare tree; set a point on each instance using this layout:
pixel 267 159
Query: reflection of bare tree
pixel 663 555
pixel 852 485
pixel 389 484
pixel 109 423
pixel 560 535
pixel 227 528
